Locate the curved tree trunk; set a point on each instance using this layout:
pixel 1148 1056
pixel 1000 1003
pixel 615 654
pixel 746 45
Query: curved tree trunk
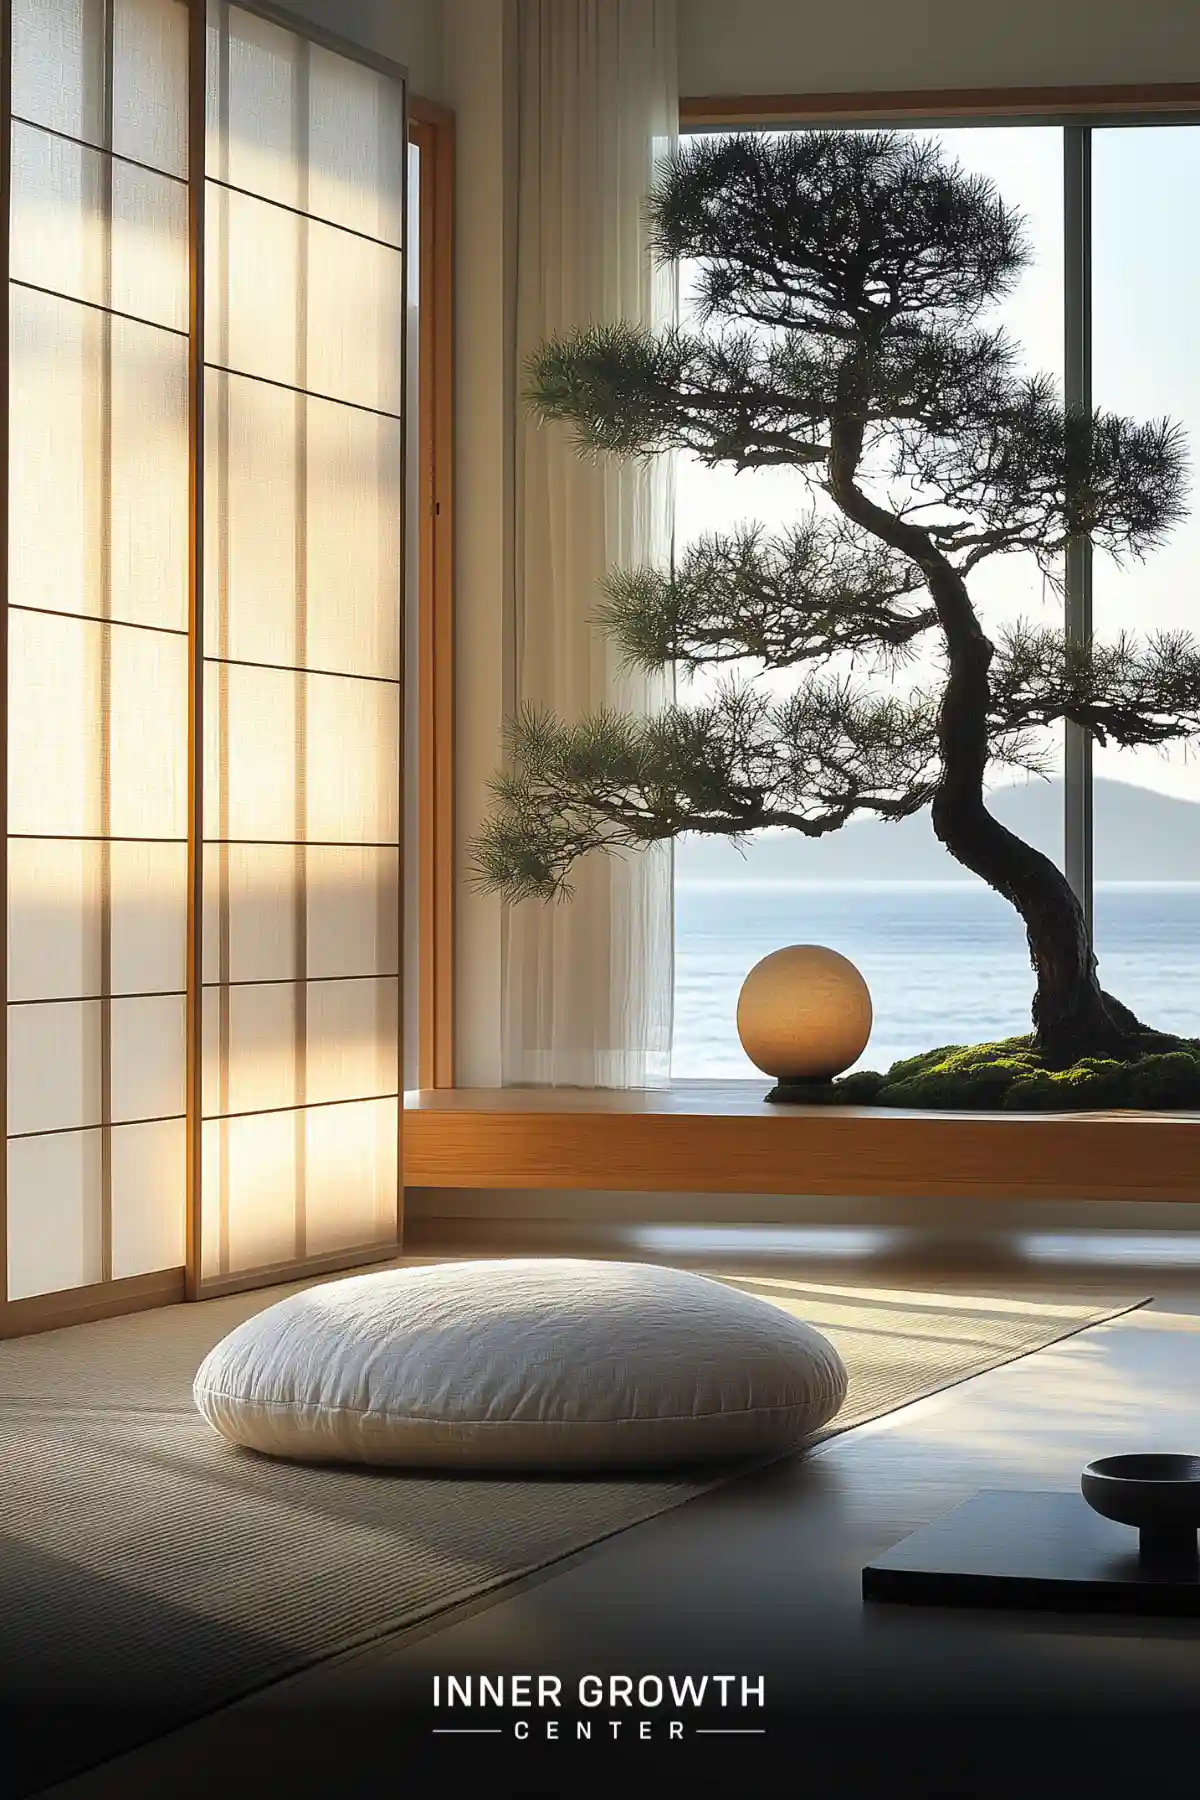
pixel 1072 1016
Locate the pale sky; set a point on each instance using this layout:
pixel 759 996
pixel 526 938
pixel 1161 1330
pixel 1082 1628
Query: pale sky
pixel 1146 362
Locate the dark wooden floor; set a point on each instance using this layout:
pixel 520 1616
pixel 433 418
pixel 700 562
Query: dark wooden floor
pixel 761 1579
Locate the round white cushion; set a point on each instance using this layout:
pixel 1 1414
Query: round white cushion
pixel 531 1363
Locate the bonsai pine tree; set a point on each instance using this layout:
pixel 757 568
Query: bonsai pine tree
pixel 844 287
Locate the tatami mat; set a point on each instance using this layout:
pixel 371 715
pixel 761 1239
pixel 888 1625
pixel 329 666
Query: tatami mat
pixel 141 1555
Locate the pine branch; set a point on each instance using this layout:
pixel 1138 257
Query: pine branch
pixel 633 392
pixel 1031 475
pixel 1128 692
pixel 755 402
pixel 727 768
pixel 817 591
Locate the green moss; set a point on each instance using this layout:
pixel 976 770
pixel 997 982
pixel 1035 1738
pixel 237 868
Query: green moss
pixel 982 1084
pixel 859 1089
pixel 920 1065
pixel 1011 1076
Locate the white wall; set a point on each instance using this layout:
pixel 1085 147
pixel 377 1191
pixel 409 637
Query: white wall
pixel 815 46
pixel 409 31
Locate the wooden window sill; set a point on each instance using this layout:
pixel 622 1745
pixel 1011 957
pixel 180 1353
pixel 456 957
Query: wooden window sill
pixel 721 1137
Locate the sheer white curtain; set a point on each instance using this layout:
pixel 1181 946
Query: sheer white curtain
pixel 588 982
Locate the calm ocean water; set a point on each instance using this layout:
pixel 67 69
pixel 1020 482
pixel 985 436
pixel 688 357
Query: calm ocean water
pixel 945 961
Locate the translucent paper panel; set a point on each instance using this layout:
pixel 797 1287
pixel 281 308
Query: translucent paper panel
pixel 65 1058
pixel 353 756
pixel 97 720
pixel 352 1040
pixel 305 568
pixel 55 1213
pixel 256 80
pixel 281 1186
pixel 251 1197
pixel 149 1179
pixel 68 900
pixel 269 92
pixel 252 912
pixel 62 61
pixel 356 147
pixel 97 705
pixel 99 481
pixel 350 1188
pixel 353 898
pixel 304 579
pixel 63 236
pixel 253 753
pixel 301 756
pixel 294 1044
pixel 56 1206
pixel 293 300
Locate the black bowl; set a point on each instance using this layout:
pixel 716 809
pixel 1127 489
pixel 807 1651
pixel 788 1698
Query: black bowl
pixel 1157 1493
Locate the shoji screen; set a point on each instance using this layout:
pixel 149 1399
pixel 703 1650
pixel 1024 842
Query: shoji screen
pixel 202 635
pixel 97 628
pixel 303 583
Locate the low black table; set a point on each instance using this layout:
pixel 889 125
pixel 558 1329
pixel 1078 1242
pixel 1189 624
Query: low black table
pixel 1031 1550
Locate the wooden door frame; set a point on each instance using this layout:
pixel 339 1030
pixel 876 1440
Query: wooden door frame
pixel 431 129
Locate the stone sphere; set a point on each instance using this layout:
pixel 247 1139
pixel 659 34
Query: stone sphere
pixel 804 1014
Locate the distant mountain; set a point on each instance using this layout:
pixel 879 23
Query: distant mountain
pixel 1140 835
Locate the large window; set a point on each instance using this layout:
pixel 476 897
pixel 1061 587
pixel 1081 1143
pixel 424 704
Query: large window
pixel 205 407
pixel 1146 360
pixel 944 956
